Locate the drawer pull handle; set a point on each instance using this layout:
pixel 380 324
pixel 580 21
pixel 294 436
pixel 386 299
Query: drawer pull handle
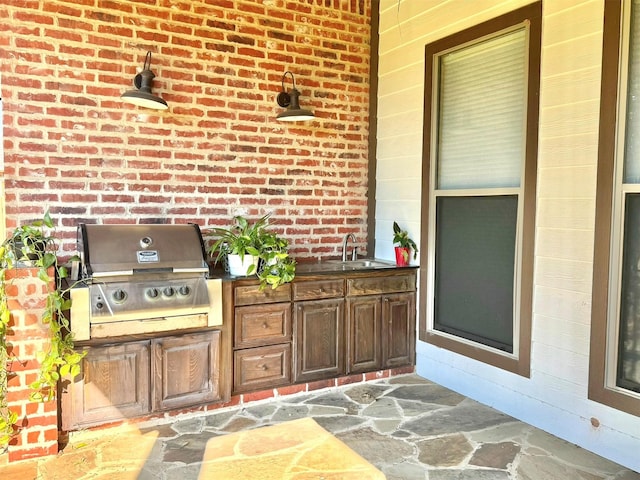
pixel 265 325
pixel 264 367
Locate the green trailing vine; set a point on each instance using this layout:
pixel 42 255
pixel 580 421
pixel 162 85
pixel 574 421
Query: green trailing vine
pixel 34 245
pixel 7 418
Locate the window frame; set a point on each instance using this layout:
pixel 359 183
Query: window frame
pixel 609 229
pixel 519 362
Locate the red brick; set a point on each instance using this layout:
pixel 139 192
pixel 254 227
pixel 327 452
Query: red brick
pixel 402 370
pixel 233 401
pixel 317 385
pixel 291 389
pixel 174 68
pixel 261 395
pixel 51 435
pixel 376 375
pixel 18 454
pixel 350 379
pixel 218 144
pixel 41 420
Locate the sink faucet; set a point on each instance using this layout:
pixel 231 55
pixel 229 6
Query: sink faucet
pixel 354 251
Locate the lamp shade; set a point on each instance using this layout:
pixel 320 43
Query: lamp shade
pixel 290 100
pixel 142 95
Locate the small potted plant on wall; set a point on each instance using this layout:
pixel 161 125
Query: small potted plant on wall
pixel 34 245
pixel 252 248
pixel 403 246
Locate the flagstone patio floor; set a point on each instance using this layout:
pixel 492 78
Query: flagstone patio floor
pixel 407 427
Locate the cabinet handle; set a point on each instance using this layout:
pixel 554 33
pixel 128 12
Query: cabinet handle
pixel 265 325
pixel 264 367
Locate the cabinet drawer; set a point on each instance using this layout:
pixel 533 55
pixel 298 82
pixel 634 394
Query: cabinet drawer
pixel 318 289
pixel 258 325
pixel 251 294
pixel 377 285
pixel 261 367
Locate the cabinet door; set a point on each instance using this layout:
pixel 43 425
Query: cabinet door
pixel 398 329
pixel 185 370
pixel 113 384
pixel 364 337
pixel 318 346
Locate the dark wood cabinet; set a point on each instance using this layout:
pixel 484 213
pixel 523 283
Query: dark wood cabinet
pixel 113 384
pixel 318 347
pixel 398 329
pixel 259 325
pixel 262 367
pixel 364 349
pixel 320 327
pixel 262 337
pixel 134 378
pixel 185 370
pixel 381 322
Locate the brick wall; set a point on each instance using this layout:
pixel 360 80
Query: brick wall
pixel 27 335
pixel 71 145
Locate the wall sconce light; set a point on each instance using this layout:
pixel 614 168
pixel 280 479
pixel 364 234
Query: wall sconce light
pixel 142 95
pixel 293 112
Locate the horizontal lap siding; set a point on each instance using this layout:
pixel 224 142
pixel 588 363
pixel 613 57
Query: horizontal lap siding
pixel 569 116
pixel 555 396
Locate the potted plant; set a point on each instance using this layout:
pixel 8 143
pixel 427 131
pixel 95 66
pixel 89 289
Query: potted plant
pixel 239 245
pixel 34 245
pixel 252 248
pixel 404 244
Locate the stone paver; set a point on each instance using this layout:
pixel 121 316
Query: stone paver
pixel 447 451
pixel 377 448
pixel 462 418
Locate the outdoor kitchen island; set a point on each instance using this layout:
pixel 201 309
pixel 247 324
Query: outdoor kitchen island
pixel 330 322
pixel 327 323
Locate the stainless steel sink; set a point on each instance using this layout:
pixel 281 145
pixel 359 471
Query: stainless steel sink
pixel 362 263
pixel 348 265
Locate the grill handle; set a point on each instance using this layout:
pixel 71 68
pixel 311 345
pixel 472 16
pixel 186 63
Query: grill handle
pixel 152 270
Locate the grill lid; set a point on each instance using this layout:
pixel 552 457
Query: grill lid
pixel 110 250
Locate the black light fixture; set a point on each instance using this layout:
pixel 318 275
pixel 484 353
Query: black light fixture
pixel 289 100
pixel 142 95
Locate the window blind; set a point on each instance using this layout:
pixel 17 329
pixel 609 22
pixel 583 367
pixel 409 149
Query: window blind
pixel 482 114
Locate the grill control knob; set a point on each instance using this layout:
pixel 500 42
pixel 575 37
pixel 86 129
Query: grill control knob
pixel 184 290
pixel 153 293
pixel 99 305
pixel 169 291
pixel 119 295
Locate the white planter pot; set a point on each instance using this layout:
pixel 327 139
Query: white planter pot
pixel 239 267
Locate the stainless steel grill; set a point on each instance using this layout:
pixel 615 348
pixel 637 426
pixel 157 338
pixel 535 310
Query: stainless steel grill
pixel 142 279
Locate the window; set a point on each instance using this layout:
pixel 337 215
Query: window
pixel 614 369
pixel 480 147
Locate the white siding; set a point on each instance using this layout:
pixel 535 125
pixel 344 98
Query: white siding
pixel 555 397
